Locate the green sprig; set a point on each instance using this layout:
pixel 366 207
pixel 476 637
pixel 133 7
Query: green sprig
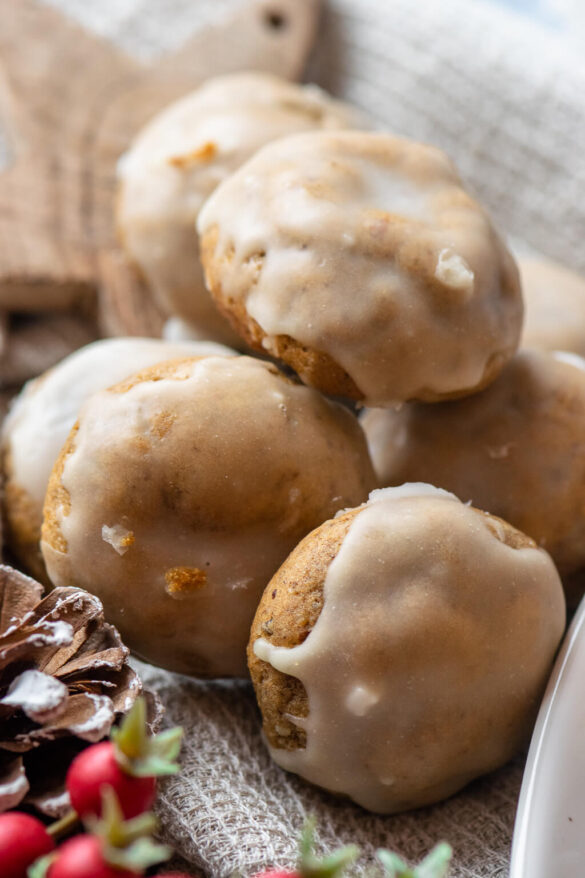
pixel 126 843
pixel 140 754
pixel 330 866
pixel 40 867
pixel 434 865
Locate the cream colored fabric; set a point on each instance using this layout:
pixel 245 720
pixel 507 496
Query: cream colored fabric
pixel 505 99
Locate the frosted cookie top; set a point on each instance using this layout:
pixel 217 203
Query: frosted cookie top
pixel 41 417
pixel 180 492
pixel 44 412
pixel 517 449
pixel 182 155
pixel 359 254
pixel 427 660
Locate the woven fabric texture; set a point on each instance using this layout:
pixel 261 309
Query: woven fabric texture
pixel 504 97
pixel 232 810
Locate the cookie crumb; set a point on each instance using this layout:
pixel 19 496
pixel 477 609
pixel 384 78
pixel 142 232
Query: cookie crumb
pixel 203 153
pixel 184 581
pixel 119 537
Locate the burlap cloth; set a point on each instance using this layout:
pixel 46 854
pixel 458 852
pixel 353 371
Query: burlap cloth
pixel 507 100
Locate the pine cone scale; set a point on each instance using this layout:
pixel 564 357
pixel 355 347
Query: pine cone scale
pixel 64 677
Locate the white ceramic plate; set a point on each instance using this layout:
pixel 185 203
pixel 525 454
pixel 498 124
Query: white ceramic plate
pixel 549 834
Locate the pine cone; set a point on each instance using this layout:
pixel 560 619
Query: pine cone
pixel 64 677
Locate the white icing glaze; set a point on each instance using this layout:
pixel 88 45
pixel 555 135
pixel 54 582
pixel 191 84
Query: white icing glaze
pixel 410 489
pixel 428 656
pixel 572 359
pixel 517 449
pixel 217 470
pixel 365 247
pixel 181 156
pixel 176 329
pixel 42 415
pixel 453 271
pixel 119 537
pixel 360 699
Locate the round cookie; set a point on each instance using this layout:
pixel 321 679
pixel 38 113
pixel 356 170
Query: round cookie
pixel 403 647
pixel 180 491
pixel 42 415
pixel 181 156
pixel 359 260
pixel 517 449
pixel 554 305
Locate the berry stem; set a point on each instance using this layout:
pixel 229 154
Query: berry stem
pixel 62 827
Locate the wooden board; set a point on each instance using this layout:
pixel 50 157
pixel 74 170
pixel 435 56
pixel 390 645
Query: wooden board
pixel 72 103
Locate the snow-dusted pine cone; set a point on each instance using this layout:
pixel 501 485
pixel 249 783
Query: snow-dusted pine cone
pixel 64 678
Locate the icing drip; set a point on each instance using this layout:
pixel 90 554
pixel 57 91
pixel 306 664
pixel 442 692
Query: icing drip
pixel 415 653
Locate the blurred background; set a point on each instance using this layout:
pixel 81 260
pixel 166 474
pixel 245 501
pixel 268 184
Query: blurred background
pixel 567 16
pixel 498 84
pixel 129 21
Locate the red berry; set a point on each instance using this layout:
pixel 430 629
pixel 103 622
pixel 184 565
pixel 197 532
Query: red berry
pixel 97 767
pixel 23 839
pixel 82 857
pixel 278 873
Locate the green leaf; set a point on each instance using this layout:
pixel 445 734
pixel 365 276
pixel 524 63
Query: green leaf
pixel 131 735
pixel 330 866
pixel 138 856
pixel 140 754
pixel 40 867
pixel 160 754
pixel 126 843
pixel 393 864
pixel 434 865
pixel 334 864
pixel 113 829
pixel 307 839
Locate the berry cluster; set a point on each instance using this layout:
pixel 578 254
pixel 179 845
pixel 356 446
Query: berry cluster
pixel 112 786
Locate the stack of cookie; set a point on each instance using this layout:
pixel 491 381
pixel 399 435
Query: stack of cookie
pixel 401 638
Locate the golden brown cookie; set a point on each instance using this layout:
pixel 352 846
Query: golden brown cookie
pixel 517 450
pixel 42 415
pixel 554 300
pixel 179 493
pixel 402 648
pixel 179 159
pixel 359 260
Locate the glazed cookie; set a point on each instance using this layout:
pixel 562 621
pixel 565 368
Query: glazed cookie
pixel 359 260
pixel 554 299
pixel 181 156
pixel 403 647
pixel 180 491
pixel 517 449
pixel 42 416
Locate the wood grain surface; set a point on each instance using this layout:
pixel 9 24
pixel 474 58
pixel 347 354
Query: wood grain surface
pixel 72 103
